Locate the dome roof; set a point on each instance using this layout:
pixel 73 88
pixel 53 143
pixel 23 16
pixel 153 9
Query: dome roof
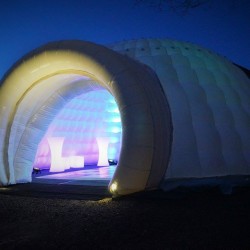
pixel 209 99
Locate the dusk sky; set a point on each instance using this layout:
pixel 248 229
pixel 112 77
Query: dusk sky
pixel 222 26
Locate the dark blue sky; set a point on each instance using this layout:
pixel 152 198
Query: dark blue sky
pixel 222 26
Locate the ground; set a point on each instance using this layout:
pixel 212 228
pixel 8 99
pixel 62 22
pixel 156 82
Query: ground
pixel 60 218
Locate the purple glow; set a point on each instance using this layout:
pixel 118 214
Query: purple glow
pixel 83 120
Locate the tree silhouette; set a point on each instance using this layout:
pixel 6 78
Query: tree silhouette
pixel 180 6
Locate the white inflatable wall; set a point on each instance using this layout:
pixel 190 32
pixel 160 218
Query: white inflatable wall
pixel 209 98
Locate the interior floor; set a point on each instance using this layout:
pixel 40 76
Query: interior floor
pixel 91 175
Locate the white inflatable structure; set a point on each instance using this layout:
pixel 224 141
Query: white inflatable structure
pixel 181 112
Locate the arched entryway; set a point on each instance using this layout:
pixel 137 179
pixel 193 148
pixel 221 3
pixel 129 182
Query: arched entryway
pixel 48 77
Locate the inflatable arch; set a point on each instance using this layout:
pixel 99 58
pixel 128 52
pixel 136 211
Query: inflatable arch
pixel 42 82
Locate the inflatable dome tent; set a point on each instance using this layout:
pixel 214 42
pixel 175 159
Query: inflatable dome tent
pixel 184 111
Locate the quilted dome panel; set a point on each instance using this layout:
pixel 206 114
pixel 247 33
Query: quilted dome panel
pixel 209 98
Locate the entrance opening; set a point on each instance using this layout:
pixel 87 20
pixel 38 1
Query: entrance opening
pixel 42 83
pixel 83 141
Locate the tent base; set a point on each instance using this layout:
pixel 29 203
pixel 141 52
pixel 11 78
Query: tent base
pixel 226 184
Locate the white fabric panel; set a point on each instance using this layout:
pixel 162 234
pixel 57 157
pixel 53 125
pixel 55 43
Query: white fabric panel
pixel 209 100
pixel 230 139
pixel 184 144
pixel 202 118
pixel 138 119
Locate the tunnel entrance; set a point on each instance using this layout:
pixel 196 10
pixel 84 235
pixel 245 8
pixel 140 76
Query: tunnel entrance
pixel 44 80
pixel 83 141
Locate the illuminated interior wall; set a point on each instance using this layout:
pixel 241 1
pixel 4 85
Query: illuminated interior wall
pixel 81 122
